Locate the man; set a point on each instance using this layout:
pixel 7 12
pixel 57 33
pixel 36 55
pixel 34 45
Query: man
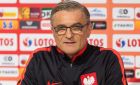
pixel 73 61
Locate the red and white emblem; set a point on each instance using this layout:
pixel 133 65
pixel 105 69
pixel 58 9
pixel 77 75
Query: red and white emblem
pixel 89 79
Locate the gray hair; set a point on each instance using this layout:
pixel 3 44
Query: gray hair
pixel 69 5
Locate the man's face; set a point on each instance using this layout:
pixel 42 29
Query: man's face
pixel 70 43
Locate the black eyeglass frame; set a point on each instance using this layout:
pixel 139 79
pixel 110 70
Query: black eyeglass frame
pixel 80 29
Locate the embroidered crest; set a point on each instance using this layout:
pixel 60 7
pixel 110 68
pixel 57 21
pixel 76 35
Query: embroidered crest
pixel 89 79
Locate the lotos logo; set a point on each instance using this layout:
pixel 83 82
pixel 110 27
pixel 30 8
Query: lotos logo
pixel 8 42
pixel 27 42
pixel 120 43
pixel 98 40
pixel 126 42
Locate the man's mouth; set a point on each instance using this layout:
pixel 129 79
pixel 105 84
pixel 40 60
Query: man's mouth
pixel 69 42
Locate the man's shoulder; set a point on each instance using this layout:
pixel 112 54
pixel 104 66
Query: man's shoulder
pixel 42 52
pixel 103 50
pixel 43 49
pixel 110 53
pixel 109 50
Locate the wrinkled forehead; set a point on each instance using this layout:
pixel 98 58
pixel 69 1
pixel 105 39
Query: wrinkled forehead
pixel 64 16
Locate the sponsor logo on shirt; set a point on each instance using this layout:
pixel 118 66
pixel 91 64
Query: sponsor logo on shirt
pixel 89 79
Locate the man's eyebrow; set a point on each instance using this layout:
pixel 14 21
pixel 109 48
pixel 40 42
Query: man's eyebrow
pixel 78 23
pixel 61 25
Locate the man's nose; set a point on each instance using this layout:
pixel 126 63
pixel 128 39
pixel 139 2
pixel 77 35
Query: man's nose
pixel 69 33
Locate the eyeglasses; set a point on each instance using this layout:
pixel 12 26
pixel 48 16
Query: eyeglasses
pixel 75 28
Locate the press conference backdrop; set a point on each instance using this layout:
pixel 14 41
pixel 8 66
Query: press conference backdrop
pixel 25 26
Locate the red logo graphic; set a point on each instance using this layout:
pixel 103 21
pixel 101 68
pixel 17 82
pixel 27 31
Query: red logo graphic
pixel 89 79
pixel 129 43
pixel 23 62
pixel 120 43
pixel 138 14
pixel 27 42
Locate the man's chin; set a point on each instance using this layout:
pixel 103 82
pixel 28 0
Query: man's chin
pixel 70 52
